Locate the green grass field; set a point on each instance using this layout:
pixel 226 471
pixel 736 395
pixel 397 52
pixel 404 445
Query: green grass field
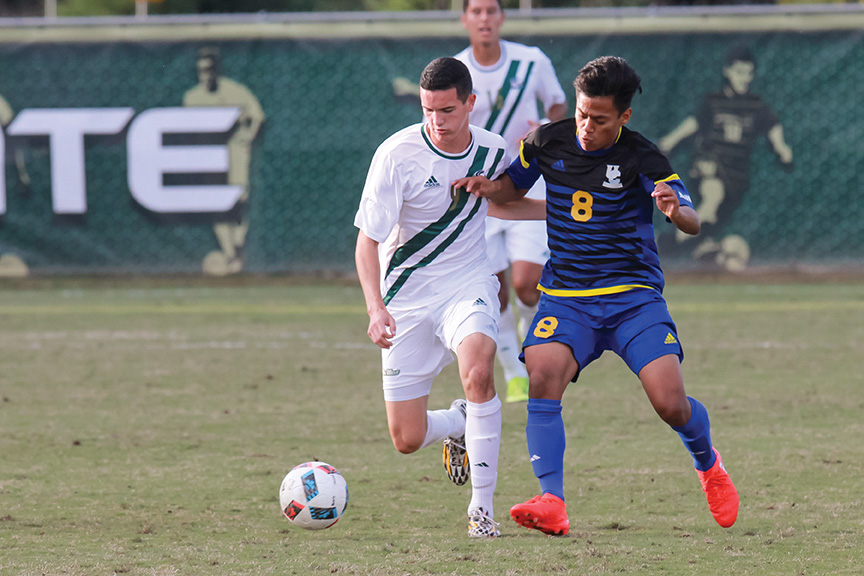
pixel 145 428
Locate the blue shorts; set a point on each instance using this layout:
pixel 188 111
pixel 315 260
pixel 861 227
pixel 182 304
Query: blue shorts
pixel 635 325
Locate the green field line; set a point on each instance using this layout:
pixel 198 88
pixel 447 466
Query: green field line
pixel 196 308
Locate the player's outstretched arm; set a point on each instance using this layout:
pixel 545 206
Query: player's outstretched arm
pixel 500 190
pixel 687 128
pixel 778 142
pixel 382 326
pixel 522 209
pixel 683 217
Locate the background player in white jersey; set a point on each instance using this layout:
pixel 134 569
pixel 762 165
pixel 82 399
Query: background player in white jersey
pixel 509 81
pixel 429 289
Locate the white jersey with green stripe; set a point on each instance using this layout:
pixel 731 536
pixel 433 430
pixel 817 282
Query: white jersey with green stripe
pixel 508 91
pixel 431 236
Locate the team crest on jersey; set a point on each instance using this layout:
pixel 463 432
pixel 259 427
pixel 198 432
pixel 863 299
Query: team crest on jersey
pixel 454 196
pixel 613 177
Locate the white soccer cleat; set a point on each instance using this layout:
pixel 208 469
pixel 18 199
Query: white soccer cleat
pixel 480 525
pixel 455 455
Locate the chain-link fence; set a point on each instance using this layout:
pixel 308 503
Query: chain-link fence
pixel 326 103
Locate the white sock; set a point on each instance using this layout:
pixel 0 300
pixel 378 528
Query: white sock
pixel 509 346
pixel 441 424
pixel 526 316
pixel 483 439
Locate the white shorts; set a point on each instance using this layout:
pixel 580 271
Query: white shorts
pixel 427 338
pixel 510 241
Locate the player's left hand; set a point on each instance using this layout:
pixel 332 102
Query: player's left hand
pixel 667 200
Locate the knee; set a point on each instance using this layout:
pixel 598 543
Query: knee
pixel 525 286
pixel 404 441
pixel 674 412
pixel 527 293
pixel 478 382
pixel 544 383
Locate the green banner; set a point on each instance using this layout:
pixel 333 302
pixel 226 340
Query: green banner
pixel 249 155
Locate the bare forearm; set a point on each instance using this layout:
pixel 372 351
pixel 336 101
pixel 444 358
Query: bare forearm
pixel 687 220
pixel 369 272
pixel 502 190
pixel 522 209
pixel 382 326
pixel 684 130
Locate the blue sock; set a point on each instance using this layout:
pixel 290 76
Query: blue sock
pixel 696 435
pixel 544 431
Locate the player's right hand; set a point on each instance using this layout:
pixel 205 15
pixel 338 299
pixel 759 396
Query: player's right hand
pixel 382 328
pixel 479 186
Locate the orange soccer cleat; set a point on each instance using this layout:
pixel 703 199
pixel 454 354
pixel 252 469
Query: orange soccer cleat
pixel 546 513
pixel 720 492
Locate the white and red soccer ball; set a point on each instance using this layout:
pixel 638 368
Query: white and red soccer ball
pixel 313 495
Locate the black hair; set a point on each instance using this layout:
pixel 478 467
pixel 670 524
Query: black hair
pixel 209 53
pixel 446 73
pixel 740 54
pixel 609 76
pixel 466 2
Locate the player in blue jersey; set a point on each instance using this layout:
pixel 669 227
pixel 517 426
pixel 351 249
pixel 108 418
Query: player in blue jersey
pixel 602 286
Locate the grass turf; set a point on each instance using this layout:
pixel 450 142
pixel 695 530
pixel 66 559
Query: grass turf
pixel 145 429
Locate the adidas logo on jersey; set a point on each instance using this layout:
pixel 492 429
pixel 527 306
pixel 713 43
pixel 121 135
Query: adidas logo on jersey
pixel 670 339
pixel 431 182
pixel 558 165
pixel 479 302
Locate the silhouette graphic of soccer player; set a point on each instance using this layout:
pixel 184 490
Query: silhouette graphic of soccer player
pixel 11 265
pixel 725 130
pixel 216 90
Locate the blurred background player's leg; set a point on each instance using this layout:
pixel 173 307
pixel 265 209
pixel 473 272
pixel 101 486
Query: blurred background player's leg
pixel 509 342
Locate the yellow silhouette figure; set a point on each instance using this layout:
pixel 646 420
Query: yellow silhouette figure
pixel 11 265
pixel 216 90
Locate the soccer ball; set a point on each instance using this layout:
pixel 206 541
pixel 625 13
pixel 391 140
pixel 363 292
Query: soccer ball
pixel 313 495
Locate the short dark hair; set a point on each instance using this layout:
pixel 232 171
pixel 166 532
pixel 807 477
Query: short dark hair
pixel 446 73
pixel 609 76
pixel 740 54
pixel 209 53
pixel 466 2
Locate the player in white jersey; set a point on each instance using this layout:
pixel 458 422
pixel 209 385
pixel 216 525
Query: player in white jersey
pixel 429 289
pixel 509 80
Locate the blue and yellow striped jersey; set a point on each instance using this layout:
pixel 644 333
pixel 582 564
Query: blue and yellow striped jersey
pixel 599 209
